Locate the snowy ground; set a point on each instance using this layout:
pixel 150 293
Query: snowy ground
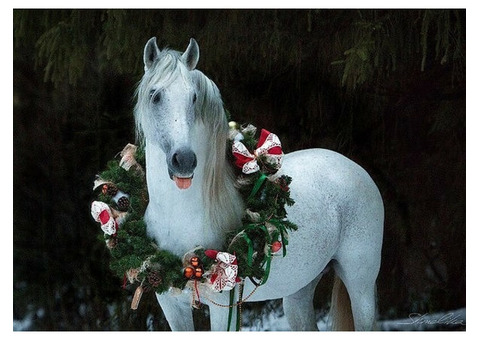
pixel 452 320
pixel 275 320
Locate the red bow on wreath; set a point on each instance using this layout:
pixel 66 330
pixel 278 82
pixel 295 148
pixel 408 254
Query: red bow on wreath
pixel 223 274
pixel 268 146
pixel 101 213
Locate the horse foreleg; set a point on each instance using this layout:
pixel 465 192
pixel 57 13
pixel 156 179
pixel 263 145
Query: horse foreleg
pixel 177 310
pixel 219 313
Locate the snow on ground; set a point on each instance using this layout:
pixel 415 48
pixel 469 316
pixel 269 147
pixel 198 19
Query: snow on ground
pixel 274 320
pixel 24 324
pixel 451 320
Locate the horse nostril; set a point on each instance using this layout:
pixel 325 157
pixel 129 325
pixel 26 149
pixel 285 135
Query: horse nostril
pixel 175 160
pixel 194 161
pixel 184 161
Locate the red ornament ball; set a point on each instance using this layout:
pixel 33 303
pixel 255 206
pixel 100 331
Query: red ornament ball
pixel 198 273
pixel 276 246
pixel 188 272
pixel 195 261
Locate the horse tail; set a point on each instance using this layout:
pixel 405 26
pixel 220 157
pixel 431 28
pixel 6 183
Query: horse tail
pixel 341 310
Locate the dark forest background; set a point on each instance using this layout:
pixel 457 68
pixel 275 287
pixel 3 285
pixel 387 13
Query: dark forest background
pixel 383 87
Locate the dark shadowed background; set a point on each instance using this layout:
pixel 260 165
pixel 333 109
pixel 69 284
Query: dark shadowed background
pixel 383 87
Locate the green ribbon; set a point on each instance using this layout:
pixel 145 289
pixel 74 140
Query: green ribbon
pixel 268 259
pixel 231 306
pixel 268 255
pixel 230 309
pixel 257 186
pixel 281 231
pixel 250 248
pixel 239 311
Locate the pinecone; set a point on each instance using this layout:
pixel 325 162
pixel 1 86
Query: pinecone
pixel 123 203
pixel 154 279
pixel 109 189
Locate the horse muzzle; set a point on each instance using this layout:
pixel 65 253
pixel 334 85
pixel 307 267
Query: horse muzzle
pixel 181 166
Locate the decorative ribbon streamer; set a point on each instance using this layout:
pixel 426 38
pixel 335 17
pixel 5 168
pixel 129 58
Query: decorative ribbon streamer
pixel 250 248
pixel 128 156
pixel 268 253
pixel 128 159
pixel 257 186
pixel 239 306
pixel 136 297
pixel 268 146
pixel 230 309
pixel 238 323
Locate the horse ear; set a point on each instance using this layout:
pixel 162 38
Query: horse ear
pixel 191 55
pixel 150 53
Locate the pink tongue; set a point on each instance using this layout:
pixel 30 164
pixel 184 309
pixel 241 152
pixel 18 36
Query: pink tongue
pixel 182 183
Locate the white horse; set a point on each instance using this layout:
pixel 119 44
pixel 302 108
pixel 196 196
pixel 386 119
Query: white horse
pixel 193 201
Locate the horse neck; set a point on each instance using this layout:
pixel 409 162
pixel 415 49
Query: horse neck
pixel 180 220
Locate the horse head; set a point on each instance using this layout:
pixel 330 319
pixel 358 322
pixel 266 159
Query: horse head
pixel 167 95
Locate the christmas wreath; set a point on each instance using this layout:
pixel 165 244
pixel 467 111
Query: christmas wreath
pixel 122 198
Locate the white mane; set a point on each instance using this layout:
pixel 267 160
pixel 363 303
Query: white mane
pixel 224 203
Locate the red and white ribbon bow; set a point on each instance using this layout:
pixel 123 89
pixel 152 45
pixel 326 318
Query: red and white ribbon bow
pixel 224 273
pixel 268 145
pixel 101 213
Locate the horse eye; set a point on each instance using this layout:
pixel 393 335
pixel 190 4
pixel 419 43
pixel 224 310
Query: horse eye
pixel 194 97
pixel 155 96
